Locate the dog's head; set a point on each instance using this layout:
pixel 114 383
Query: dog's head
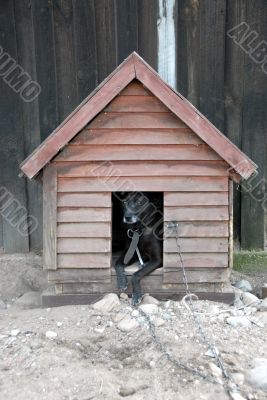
pixel 134 205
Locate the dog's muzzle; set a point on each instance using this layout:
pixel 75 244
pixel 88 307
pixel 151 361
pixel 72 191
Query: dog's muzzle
pixel 132 219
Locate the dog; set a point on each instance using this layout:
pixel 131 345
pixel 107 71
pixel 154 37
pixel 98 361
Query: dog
pixel 142 221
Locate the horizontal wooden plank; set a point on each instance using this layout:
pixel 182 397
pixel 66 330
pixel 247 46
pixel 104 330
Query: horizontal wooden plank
pixel 101 199
pixel 136 136
pixel 140 168
pixel 136 152
pixel 135 88
pixel 201 276
pixel 196 260
pixel 196 213
pixel 80 275
pixel 135 120
pixel 199 199
pixel 132 184
pixel 137 103
pixel 83 245
pixel 200 229
pixel 196 245
pixel 93 260
pixel 84 229
pixel 84 214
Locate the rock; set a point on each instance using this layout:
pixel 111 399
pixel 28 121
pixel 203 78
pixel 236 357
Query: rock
pixel 108 303
pixel 118 317
pixel 150 300
pixel 238 378
pixel 263 305
pixel 59 324
pixel 236 396
pixel 127 324
pixel 238 321
pixel 2 305
pixel 210 352
pixel 124 296
pixel 15 332
pixel 50 335
pixel 135 313
pixel 244 285
pixel 149 308
pixel 249 299
pixel 125 391
pixel 158 322
pixel 29 300
pixel 262 317
pixel 257 377
pixel 216 371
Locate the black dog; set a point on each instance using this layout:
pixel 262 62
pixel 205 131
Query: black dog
pixel 142 220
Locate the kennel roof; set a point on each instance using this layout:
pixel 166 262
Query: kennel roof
pixel 135 68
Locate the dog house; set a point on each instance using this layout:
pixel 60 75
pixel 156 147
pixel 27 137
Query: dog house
pixel 135 133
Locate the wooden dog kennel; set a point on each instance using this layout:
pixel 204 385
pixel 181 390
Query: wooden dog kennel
pixel 135 133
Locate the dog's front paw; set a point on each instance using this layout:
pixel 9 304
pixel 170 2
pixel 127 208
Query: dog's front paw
pixel 137 298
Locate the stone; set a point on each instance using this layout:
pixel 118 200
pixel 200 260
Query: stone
pixel 149 308
pixel 125 391
pixel 236 396
pixel 15 332
pixel 147 299
pixel 257 376
pixel 249 299
pixel 127 324
pixel 2 305
pixel 29 300
pixel 108 303
pixel 210 352
pixel 244 285
pixel 118 317
pixel 158 322
pixel 262 317
pixel 238 378
pixel 135 313
pixel 238 321
pixel 263 305
pixel 124 296
pixel 50 335
pixel 216 371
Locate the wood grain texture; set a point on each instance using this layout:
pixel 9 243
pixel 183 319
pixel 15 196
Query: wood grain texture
pixel 136 152
pixel 154 184
pixel 80 275
pixel 196 260
pixel 139 104
pixel 202 276
pixel 125 120
pixel 90 260
pixel 84 230
pixel 207 229
pixel 107 136
pixel 194 213
pixel 196 245
pixel 231 220
pixel 146 168
pixel 83 214
pixel 83 199
pixel 135 88
pixel 201 198
pixel 50 217
pixel 83 245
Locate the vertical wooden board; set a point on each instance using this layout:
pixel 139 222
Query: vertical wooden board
pixel 188 43
pixel 50 217
pixel 85 46
pixel 254 134
pixel 42 12
pixel 212 39
pixel 11 140
pixel 230 240
pixel 65 57
pixel 147 31
pixel 234 92
pixel 30 114
pixel 106 40
pixel 127 25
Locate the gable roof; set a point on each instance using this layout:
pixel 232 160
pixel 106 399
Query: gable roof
pixel 134 67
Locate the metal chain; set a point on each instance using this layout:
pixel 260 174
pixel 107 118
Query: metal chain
pixel 230 386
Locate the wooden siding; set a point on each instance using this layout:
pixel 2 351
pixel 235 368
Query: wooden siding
pixel 161 154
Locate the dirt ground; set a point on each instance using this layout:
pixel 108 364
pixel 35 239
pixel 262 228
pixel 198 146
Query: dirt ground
pixel 80 353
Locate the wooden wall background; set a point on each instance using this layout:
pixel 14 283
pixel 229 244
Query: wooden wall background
pixel 69 46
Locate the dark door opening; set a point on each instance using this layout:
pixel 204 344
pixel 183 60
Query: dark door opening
pixel 150 211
